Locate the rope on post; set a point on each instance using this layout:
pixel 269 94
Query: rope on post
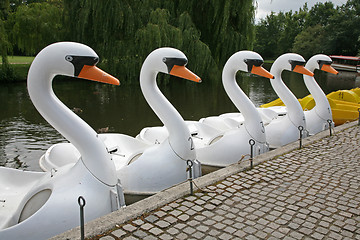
pixel 330 126
pixel 301 128
pixel 81 201
pixel 189 168
pixel 252 143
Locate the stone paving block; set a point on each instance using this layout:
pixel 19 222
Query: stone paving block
pixel 129 228
pixel 180 225
pixel 173 231
pixel 118 233
pixel 107 238
pixel 249 230
pixel 213 232
pixel 162 224
pixel 151 218
pixel 166 236
pixel 210 238
pixel 156 231
pixel 138 222
pixel 182 236
pixel 131 238
pixel 146 226
pixel 140 234
pixel 198 235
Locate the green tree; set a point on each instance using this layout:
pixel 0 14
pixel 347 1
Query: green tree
pixel 343 29
pixel 5 46
pixel 320 14
pixel 123 32
pixel 310 41
pixel 35 26
pixel 268 33
pixel 292 26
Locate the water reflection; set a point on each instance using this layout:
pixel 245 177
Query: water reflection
pixel 25 135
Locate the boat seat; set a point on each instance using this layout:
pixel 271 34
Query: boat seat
pixel 134 157
pixel 215 122
pixel 206 134
pixel 14 187
pixel 59 155
pixel 153 135
pixel 215 139
pixel 126 148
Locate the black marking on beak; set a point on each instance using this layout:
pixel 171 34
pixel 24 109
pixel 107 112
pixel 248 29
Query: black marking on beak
pixel 253 62
pixel 171 62
pixel 80 61
pixel 295 63
pixel 322 62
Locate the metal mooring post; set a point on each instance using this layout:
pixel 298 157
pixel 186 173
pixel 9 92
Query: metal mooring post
pixel 301 128
pixel 189 168
pixel 252 143
pixel 330 125
pixel 82 203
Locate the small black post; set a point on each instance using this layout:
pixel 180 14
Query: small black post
pixel 301 128
pixel 82 202
pixel 330 125
pixel 189 168
pixel 252 143
pixel 359 116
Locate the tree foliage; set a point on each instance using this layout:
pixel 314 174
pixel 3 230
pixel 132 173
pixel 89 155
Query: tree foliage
pixel 36 25
pixel 5 45
pixel 322 29
pixel 310 41
pixel 276 33
pixel 124 32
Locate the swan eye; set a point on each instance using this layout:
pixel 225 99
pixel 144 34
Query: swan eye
pixel 171 62
pixel 68 58
pixel 295 63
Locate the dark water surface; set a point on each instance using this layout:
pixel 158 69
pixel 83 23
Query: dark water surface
pixel 25 135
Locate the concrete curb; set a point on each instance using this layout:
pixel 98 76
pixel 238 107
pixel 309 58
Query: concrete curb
pixel 108 222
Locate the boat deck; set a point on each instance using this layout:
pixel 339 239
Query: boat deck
pixel 290 193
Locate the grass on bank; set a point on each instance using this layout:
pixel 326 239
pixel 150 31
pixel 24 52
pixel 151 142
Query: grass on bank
pixel 19 59
pixel 19 67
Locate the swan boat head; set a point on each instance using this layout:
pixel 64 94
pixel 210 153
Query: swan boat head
pixel 291 62
pixel 318 117
pixel 296 63
pixel 321 62
pixel 247 61
pixel 251 62
pixel 79 61
pixel 168 61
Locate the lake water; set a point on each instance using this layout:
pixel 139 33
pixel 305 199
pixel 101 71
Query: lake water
pixel 25 135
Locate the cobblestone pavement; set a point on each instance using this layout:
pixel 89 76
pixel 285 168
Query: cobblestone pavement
pixel 312 193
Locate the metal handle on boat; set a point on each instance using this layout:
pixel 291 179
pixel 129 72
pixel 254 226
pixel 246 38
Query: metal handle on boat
pixel 81 201
pixel 330 125
pixel 189 168
pixel 301 128
pixel 252 143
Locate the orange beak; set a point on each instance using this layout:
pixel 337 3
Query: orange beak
pixel 261 72
pixel 303 70
pixel 183 72
pixel 329 68
pixel 96 74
